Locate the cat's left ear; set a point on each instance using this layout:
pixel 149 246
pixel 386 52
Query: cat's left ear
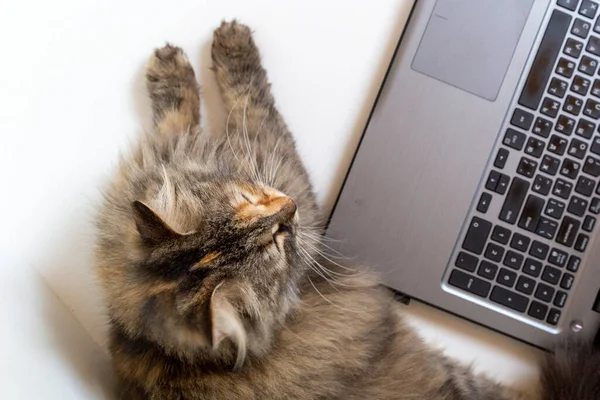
pixel 226 323
pixel 152 229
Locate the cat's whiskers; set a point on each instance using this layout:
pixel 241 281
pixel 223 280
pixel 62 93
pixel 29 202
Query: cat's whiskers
pixel 227 131
pixel 271 176
pixel 317 239
pixel 315 233
pixel 331 280
pixel 325 256
pixel 277 166
pixel 333 277
pixel 251 158
pixel 329 271
pixel 329 301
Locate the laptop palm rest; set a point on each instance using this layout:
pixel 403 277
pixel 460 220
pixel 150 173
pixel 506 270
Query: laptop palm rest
pixel 467 46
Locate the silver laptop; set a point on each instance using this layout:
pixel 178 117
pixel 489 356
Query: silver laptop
pixel 475 187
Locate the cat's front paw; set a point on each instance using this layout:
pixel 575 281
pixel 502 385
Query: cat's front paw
pixel 233 41
pixel 168 69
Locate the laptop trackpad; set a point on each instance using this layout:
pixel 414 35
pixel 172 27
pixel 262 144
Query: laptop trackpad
pixel 469 43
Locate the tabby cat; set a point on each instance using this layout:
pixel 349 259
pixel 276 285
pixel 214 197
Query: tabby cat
pixel 217 281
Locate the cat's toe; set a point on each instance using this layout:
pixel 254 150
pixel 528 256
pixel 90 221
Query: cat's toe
pixel 232 40
pixel 168 65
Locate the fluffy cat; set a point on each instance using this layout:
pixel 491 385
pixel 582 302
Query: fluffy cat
pixel 209 252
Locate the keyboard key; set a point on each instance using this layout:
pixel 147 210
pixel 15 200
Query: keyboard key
pixel 577 148
pixel 509 299
pixel 520 242
pixel 585 128
pixel 525 285
pixel 531 213
pixel 506 277
pixel 596 88
pixel 573 104
pixel 570 168
pixel 581 242
pixel 597 26
pixel 562 188
pixel 502 184
pixel 548 50
pixel 469 283
pixel 592 166
pixel 542 127
pixel 487 269
pixel 564 68
pixel 565 125
pixel 560 299
pixel 537 310
pixel 550 164
pixel 588 66
pixel 574 263
pixel 588 8
pixel 595 206
pixel 581 28
pixel 514 139
pixel 555 208
pixel 500 234
pixel 494 252
pixel 558 258
pixel 527 167
pixel 522 119
pixel 534 147
pixel 580 85
pixel 550 107
pixel 553 317
pixel 546 228
pixel 568 231
pixel 568 4
pixel 477 235
pixel 513 260
pixel 577 206
pixel 492 180
pixel 466 261
pixel 551 275
pixel 588 223
pixel 514 199
pixel 544 292
pixel 539 250
pixel 557 144
pixel 542 185
pixel 596 145
pixel 592 109
pixel 532 267
pixel 567 281
pixel 484 202
pixel 501 158
pixel 585 186
pixel 593 45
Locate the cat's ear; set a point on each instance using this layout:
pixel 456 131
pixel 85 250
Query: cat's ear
pixel 152 229
pixel 226 323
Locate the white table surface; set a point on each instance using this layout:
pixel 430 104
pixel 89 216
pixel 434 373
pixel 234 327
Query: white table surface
pixel 72 97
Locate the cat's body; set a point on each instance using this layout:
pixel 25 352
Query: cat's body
pixel 217 284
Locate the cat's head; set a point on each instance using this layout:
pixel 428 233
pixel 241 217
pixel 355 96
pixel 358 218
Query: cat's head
pixel 203 268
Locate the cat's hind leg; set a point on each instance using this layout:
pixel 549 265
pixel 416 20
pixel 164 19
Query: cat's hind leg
pixel 173 91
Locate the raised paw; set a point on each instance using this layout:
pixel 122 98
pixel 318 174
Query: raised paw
pixel 168 66
pixel 232 43
pixel 172 87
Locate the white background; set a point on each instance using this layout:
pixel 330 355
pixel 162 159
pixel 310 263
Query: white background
pixel 72 97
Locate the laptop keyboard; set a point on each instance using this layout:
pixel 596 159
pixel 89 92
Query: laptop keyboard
pixel 532 219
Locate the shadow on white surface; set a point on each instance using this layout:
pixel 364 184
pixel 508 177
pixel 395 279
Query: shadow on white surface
pixel 44 342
